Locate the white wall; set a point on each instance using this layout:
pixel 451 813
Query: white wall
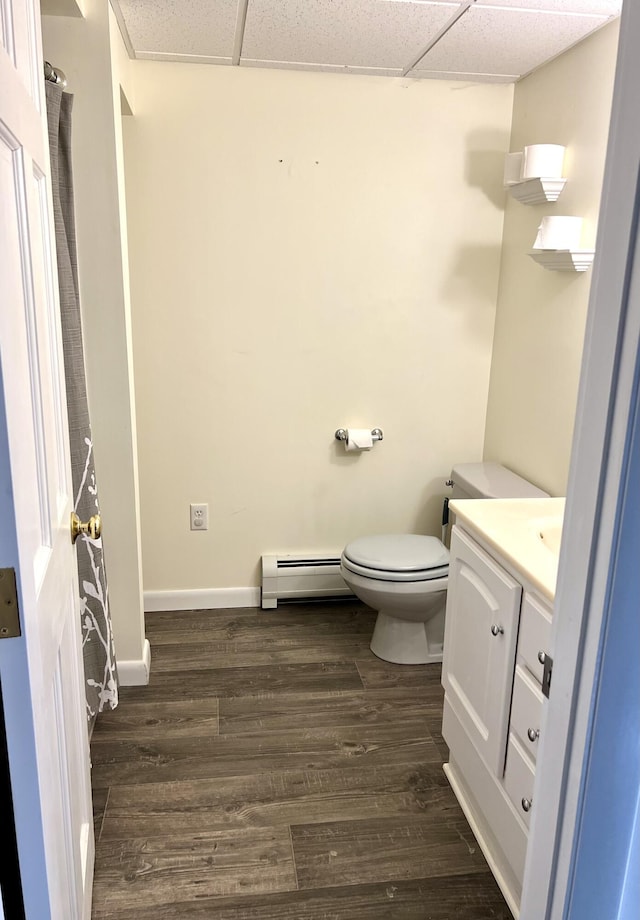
pixel 308 251
pixel 541 315
pixel 82 48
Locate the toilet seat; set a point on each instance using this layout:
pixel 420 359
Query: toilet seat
pixel 397 558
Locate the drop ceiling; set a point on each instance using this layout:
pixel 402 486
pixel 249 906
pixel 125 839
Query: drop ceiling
pixel 480 40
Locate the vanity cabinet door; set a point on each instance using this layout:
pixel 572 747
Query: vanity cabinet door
pixel 481 629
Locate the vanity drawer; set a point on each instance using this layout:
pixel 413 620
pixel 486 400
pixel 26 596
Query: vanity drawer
pixel 519 777
pixel 526 711
pixel 535 633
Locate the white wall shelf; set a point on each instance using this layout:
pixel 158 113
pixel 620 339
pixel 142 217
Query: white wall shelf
pixel 537 191
pixel 564 260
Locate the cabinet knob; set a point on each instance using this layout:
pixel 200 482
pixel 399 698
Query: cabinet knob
pixel 533 734
pixel 526 804
pixel 497 630
pixel 542 657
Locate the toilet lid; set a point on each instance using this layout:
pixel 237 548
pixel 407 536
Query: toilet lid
pixel 397 557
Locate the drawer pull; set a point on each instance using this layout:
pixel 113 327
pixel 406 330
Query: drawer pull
pixel 542 657
pixel 533 734
pixel 497 630
pixel 526 804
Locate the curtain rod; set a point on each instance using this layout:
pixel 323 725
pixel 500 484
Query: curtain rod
pixel 54 75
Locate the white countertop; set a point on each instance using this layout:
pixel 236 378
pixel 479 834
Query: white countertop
pixel 526 532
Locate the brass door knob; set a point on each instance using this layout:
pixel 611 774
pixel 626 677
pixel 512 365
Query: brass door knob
pixel 92 527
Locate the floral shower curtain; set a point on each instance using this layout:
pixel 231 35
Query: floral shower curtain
pixel 101 685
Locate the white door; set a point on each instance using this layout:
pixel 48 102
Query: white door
pixel 481 629
pixel 41 670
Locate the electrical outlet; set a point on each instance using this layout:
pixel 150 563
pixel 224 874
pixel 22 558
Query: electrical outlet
pixel 199 516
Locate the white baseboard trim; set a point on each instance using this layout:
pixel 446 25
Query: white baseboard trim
pixel 135 672
pixel 201 599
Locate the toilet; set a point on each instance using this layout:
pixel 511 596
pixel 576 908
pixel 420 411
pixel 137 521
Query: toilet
pixel 404 576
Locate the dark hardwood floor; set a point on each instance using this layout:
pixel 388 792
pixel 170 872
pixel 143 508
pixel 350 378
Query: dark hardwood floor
pixel 275 769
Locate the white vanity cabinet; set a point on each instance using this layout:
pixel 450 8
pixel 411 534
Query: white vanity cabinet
pixel 496 628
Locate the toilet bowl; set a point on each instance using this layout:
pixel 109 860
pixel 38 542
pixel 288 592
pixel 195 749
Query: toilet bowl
pixel 404 576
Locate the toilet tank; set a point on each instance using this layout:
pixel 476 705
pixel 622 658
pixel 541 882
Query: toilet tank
pixel 484 480
pixel 490 480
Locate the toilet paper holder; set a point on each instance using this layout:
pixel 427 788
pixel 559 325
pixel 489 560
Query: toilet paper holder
pixel 376 434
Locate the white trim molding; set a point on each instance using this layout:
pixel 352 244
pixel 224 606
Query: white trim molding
pixel 135 672
pixel 201 599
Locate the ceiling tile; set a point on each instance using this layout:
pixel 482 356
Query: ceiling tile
pixel 173 27
pixel 594 7
pixel 487 40
pixel 358 33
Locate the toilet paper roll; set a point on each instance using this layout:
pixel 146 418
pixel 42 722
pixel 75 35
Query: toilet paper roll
pixel 542 160
pixel 512 168
pixel 559 233
pixel 358 439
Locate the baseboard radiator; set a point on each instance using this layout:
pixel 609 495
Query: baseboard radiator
pixel 299 578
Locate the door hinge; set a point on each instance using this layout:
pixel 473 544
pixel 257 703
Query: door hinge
pixel 547 671
pixel 9 613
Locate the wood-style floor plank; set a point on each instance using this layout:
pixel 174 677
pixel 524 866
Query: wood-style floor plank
pixel 351 707
pixel 461 897
pixel 170 759
pixel 380 849
pixel 378 675
pixel 249 654
pixel 265 799
pixel 159 871
pixel 235 625
pixel 318 677
pixel 146 721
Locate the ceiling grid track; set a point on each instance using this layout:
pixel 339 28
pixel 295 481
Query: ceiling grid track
pixel 124 32
pixel 241 19
pixel 459 13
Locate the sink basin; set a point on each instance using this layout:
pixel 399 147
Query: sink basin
pixel 549 532
pixel 525 532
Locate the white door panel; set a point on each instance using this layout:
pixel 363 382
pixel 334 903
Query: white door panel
pixel 41 671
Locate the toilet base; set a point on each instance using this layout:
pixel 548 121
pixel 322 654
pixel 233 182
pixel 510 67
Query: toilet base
pixel 402 641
